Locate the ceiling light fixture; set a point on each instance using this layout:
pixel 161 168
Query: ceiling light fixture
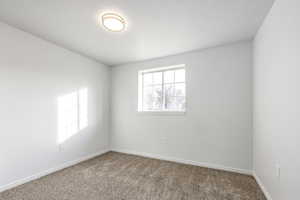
pixel 113 22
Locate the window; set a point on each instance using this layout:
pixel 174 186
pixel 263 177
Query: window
pixel 162 89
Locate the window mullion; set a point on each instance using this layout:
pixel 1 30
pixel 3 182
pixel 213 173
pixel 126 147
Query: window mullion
pixel 143 92
pixel 163 91
pixel 152 89
pixel 174 87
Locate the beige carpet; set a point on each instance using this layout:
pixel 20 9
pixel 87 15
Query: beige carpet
pixel 116 176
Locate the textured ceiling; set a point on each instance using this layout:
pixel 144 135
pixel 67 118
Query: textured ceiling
pixel 156 28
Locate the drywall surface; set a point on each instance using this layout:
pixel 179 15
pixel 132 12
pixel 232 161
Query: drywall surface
pixel 217 127
pixel 277 101
pixel 40 84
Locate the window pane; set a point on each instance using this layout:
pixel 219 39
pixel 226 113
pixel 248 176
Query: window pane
pixel 175 103
pixel 147 79
pixel 180 103
pixel 157 97
pixel 169 96
pixel 169 90
pixel 153 98
pixel 170 103
pixel 180 75
pixel 147 98
pixel 157 104
pixel 169 76
pixel 157 91
pixel 157 78
pixel 180 89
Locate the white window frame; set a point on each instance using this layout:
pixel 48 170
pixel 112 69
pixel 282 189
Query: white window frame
pixel 141 88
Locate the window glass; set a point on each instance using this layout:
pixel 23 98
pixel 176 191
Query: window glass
pixel 180 89
pixel 180 75
pixel 157 78
pixel 169 76
pixel 147 78
pixel 162 89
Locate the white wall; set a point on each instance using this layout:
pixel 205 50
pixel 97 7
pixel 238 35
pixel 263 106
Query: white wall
pixel 217 128
pixel 277 101
pixel 33 74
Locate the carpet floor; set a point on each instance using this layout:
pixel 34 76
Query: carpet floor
pixel 116 176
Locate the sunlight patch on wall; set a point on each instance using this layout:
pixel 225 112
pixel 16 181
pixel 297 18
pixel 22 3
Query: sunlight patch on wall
pixel 72 114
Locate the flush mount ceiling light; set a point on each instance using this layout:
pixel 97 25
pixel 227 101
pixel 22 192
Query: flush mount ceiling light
pixel 113 22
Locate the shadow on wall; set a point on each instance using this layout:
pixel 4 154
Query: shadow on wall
pixel 72 114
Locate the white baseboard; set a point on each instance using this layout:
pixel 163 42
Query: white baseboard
pixel 263 188
pixel 189 162
pixel 50 171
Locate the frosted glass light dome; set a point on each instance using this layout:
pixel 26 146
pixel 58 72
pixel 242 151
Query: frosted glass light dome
pixel 113 22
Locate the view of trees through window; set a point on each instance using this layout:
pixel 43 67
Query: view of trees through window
pixel 164 90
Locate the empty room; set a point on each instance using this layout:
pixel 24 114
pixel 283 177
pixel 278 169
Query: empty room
pixel 149 100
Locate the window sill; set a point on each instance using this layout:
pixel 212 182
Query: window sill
pixel 162 113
